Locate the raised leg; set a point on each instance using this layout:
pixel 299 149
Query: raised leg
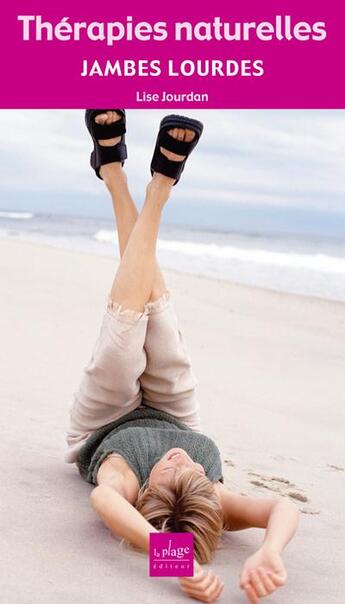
pixel 168 381
pixel 110 385
pixel 124 208
pixel 139 278
pixel 126 215
pixel 139 319
pixel 125 211
pixel 135 276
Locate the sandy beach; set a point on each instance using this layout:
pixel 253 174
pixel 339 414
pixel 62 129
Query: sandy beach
pixel 271 387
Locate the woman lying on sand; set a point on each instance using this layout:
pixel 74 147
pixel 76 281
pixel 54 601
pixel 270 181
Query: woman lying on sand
pixel 134 424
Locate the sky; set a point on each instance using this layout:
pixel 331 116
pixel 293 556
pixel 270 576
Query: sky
pixel 283 166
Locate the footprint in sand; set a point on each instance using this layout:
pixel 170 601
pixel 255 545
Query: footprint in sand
pixel 228 462
pixel 280 485
pixel 298 496
pixel 283 487
pixel 282 458
pixel 273 483
pixel 336 468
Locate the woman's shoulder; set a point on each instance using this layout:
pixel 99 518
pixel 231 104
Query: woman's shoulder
pixel 113 466
pixel 115 461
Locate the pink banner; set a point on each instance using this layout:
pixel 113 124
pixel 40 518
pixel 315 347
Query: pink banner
pixel 156 55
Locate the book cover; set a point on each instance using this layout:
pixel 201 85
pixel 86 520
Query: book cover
pixel 172 302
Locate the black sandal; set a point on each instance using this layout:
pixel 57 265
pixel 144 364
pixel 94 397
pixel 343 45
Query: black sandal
pixel 160 163
pixel 105 155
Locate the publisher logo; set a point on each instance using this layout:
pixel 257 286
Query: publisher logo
pixel 171 555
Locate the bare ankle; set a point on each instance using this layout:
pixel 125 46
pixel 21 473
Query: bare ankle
pixel 159 187
pixel 113 175
pixel 162 180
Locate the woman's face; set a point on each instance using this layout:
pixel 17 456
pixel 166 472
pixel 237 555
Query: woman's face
pixel 174 462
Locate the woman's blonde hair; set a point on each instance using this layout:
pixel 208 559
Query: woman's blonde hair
pixel 190 505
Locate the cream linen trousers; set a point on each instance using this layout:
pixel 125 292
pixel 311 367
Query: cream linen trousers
pixel 139 359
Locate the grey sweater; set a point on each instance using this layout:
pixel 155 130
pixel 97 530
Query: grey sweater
pixel 142 437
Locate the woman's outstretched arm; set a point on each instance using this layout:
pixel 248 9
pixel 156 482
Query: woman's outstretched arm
pixel 121 517
pixel 264 571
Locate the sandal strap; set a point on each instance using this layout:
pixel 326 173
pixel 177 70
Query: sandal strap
pixel 106 131
pixel 175 146
pixel 168 167
pixel 107 155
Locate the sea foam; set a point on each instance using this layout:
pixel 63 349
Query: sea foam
pixel 16 215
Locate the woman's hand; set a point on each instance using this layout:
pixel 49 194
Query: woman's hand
pixel 262 574
pixel 204 585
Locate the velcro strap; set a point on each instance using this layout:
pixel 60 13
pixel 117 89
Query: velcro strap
pixel 106 131
pixel 167 167
pixel 106 155
pixel 175 146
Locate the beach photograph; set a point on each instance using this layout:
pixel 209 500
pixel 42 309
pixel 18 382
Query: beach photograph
pixel 249 235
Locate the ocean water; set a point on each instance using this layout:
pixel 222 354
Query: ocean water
pixel 302 264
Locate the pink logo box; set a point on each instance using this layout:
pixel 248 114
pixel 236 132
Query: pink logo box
pixel 171 555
